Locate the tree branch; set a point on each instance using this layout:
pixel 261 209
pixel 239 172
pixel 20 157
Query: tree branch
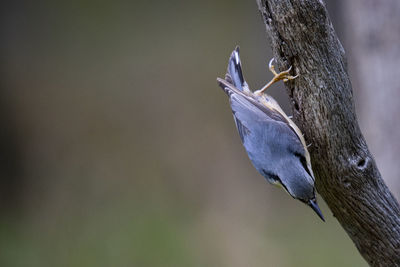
pixel 302 35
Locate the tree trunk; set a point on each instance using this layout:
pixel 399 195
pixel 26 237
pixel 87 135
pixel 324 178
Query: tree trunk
pixel 302 36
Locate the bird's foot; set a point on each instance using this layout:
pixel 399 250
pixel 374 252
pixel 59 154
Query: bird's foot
pixel 284 75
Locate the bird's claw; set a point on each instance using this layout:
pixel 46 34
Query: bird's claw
pixel 284 75
pixel 272 67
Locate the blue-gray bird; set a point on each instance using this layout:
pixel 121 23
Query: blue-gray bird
pixel 274 144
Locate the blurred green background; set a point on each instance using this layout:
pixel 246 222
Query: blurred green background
pixel 119 149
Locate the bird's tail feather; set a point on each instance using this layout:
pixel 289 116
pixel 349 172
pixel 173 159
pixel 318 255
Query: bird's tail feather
pixel 234 81
pixel 234 73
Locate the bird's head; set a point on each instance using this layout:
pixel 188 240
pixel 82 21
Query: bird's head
pixel 298 183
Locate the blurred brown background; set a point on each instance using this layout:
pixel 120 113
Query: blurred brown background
pixel 119 149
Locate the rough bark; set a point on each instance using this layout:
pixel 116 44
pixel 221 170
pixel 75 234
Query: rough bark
pixel 302 36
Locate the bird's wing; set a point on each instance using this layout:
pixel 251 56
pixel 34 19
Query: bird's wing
pixel 248 112
pixel 251 119
pixel 249 100
pixel 266 140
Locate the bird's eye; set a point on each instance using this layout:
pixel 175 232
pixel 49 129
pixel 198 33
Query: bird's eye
pixel 302 200
pixel 303 162
pixel 273 178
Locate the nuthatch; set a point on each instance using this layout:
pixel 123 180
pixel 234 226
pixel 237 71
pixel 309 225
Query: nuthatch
pixel 274 144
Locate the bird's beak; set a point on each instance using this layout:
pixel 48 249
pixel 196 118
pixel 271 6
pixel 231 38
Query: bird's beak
pixel 313 204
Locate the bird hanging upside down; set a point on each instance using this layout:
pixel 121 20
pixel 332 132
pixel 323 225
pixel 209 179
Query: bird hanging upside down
pixel 274 144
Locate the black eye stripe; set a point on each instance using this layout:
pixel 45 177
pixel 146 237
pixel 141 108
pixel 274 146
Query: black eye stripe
pixel 271 175
pixel 274 177
pixel 303 162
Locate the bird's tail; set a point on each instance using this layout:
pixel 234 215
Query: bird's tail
pixel 234 73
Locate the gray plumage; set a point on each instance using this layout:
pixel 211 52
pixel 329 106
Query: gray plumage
pixel 273 146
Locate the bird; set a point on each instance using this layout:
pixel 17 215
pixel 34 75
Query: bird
pixel 274 144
